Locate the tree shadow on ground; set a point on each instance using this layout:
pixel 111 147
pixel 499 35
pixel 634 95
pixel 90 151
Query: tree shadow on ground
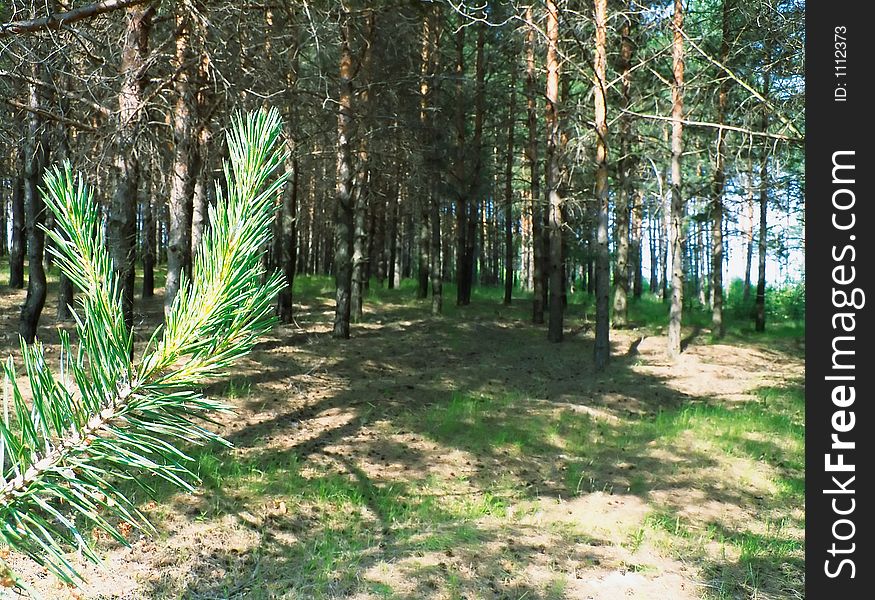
pixel 374 443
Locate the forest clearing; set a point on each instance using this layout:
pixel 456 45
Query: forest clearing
pixel 467 457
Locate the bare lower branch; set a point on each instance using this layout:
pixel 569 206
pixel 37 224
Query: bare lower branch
pixel 48 115
pixel 58 20
pixel 750 132
pixel 106 112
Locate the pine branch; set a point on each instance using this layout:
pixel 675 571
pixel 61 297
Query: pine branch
pixel 106 418
pixel 58 20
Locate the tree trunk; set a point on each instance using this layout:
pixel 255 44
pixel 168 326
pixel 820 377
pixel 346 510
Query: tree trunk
pixel 19 242
pixel 121 218
pixel 749 237
pixel 624 191
pixel 288 233
pixel 4 223
pixel 635 252
pixel 393 231
pixel 764 199
pixel 343 223
pixel 362 192
pixel 35 158
pixel 554 200
pixel 677 199
pixel 288 221
pixel 508 192
pixel 436 272
pixel 65 286
pixel 182 171
pixel 361 197
pixel 602 349
pixel 538 250
pixel 717 326
pixel 149 243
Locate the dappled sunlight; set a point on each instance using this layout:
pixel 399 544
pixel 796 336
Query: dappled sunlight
pixel 450 458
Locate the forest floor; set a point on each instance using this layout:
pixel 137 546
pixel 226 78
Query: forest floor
pixel 466 457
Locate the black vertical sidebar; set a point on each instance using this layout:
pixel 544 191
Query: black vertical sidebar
pixel 839 258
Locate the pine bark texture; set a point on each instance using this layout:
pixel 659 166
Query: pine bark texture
pixel 602 348
pixel 554 200
pixel 343 222
pixel 677 199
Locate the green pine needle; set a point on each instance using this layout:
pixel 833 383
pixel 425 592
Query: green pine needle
pixel 103 417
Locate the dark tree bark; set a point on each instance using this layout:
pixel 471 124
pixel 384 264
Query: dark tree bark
pixel 393 230
pixel 343 223
pixel 602 348
pixel 624 182
pixel 764 198
pixel 121 219
pixel 538 246
pixel 717 325
pixel 4 225
pixel 677 199
pixel 149 243
pixel 65 286
pixel 288 217
pixel 749 237
pixel 362 191
pixel 635 252
pixel 508 192
pixel 288 234
pixel 182 171
pixel 19 241
pixel 460 172
pixel 474 185
pixel 35 158
pixel 554 200
pixel 653 231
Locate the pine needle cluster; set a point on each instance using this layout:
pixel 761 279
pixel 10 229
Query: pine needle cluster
pixel 105 417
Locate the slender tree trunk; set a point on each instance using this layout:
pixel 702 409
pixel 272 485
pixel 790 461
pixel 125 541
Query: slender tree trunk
pixel 394 271
pixel 749 237
pixel 717 326
pixel 764 205
pixel 508 192
pixel 664 243
pixel 288 233
pixel 460 174
pixel 181 174
pixel 635 251
pixel 288 230
pixel 4 223
pixel 554 200
pixel 624 189
pixel 423 240
pixel 677 199
pixel 362 191
pixel 149 243
pixel 436 279
pixel 652 234
pixel 19 241
pixel 65 286
pixel 602 349
pixel 475 185
pixel 121 220
pixel 538 250
pixel 343 224
pixel 361 197
pixel 35 159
